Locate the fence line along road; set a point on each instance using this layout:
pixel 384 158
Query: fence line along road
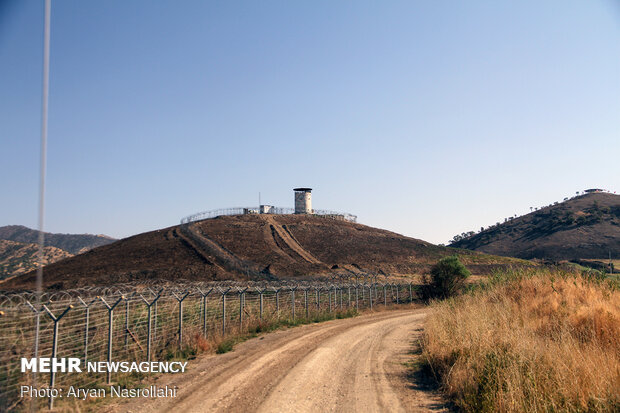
pixel 129 323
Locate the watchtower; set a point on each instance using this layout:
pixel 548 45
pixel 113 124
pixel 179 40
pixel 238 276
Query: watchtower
pixel 303 200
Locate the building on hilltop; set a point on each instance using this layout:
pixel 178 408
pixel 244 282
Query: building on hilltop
pixel 303 200
pixel 303 206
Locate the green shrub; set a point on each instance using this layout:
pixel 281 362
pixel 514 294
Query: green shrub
pixel 446 278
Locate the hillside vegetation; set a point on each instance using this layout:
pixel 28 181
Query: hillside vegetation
pixel 72 243
pixel 534 341
pixel 18 258
pixel 258 247
pixel 19 250
pixel 585 227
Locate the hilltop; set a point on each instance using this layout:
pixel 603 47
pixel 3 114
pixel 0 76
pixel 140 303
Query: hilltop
pixel 256 247
pixel 584 227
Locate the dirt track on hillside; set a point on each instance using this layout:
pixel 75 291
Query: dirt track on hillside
pixel 350 365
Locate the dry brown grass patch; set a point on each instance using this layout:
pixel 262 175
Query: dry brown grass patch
pixel 544 341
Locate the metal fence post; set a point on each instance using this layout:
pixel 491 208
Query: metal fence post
pixel 223 293
pixel 370 295
pixel 56 320
pixel 204 310
pixel 293 301
pixel 260 302
pixel 110 324
pixel 126 324
pixel 384 295
pixel 318 298
pixel 277 302
pixel 410 293
pixel 357 298
pixel 148 326
pixel 180 299
pixel 306 302
pixel 241 306
pixel 349 288
pixel 86 322
pixel 397 288
pixel 329 295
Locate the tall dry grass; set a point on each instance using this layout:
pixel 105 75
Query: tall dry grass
pixel 540 341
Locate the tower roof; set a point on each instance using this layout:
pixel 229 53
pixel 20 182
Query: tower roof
pixel 302 189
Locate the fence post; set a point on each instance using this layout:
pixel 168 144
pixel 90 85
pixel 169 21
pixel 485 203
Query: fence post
pixel 86 321
pixel 56 320
pixel 397 288
pixel 223 293
pixel 204 310
pixel 293 301
pixel 306 302
pixel 357 298
pixel 110 323
pixel 277 302
pixel 329 295
pixel 410 293
pixel 126 323
pixel 318 298
pixel 241 305
pixel 349 288
pixel 260 302
pixel 370 295
pixel 384 295
pixel 148 326
pixel 180 300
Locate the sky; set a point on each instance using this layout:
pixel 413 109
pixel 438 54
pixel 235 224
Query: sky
pixel 427 118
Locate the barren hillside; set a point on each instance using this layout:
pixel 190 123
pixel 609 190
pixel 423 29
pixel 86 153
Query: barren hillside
pixel 255 246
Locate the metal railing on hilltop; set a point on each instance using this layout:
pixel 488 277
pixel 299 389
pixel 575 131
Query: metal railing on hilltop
pixel 344 216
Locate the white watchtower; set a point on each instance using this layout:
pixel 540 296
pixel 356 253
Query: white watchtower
pixel 303 200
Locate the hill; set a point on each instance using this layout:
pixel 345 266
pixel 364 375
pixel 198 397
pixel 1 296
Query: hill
pixel 72 243
pixel 18 258
pixel 256 247
pixel 585 227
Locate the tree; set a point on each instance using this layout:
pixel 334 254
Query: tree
pixel 446 278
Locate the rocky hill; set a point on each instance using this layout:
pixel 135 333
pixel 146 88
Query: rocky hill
pixel 256 247
pixel 72 243
pixel 584 227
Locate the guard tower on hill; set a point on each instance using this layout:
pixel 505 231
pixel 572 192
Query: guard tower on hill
pixel 303 200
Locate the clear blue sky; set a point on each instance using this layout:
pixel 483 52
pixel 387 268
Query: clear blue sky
pixel 428 118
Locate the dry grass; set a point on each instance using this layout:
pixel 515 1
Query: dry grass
pixel 538 341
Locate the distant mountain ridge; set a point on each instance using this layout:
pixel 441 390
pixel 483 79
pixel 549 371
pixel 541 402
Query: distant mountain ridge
pixel 19 249
pixel 584 227
pixel 72 243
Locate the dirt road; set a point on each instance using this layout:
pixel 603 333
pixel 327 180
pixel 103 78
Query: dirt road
pixel 351 365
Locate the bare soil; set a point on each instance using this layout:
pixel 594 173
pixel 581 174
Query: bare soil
pixel 350 365
pixel 269 246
